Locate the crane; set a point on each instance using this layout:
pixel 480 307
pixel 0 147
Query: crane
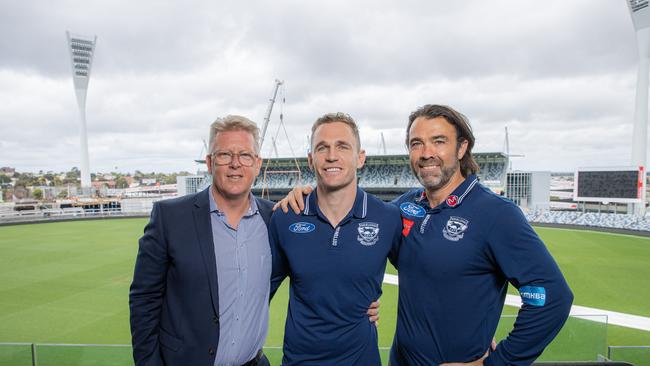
pixel 267 117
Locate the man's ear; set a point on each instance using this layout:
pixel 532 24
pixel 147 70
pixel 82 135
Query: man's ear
pixel 258 165
pixel 361 160
pixel 310 161
pixel 462 149
pixel 208 162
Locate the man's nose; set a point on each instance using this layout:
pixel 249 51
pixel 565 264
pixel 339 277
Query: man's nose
pixel 331 155
pixel 234 162
pixel 428 151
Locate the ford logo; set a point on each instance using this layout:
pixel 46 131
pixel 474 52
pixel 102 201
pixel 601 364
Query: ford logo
pixel 302 227
pixel 411 209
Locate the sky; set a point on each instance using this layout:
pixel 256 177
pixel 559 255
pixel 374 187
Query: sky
pixel 561 75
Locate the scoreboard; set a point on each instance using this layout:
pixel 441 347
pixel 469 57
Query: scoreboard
pixel 614 184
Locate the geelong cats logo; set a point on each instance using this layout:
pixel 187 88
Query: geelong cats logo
pixel 455 228
pixel 368 233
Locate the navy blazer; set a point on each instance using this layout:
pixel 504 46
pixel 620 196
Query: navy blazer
pixel 174 297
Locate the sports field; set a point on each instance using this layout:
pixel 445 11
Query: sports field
pixel 68 282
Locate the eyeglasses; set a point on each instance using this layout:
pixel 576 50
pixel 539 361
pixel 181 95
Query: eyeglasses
pixel 225 158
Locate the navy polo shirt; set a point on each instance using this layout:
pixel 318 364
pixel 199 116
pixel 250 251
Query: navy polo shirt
pixel 455 263
pixel 336 272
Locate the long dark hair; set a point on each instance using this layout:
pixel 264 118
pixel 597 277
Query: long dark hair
pixel 464 132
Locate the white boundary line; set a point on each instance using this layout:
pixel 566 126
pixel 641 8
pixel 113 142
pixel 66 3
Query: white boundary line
pixel 606 316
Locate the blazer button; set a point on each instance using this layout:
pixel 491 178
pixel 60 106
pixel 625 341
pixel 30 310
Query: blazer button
pixel 211 351
pixel 215 319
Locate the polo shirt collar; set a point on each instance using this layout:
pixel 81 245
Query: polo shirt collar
pixel 455 198
pixel 252 210
pixel 359 208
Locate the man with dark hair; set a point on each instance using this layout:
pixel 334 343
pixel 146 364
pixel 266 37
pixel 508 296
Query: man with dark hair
pixel 468 165
pixel 462 245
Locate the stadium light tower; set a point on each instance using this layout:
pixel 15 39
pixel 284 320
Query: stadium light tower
pixel 640 12
pixel 81 55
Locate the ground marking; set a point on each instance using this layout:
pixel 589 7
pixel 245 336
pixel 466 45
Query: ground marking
pixel 583 312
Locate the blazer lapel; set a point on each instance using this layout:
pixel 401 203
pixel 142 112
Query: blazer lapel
pixel 266 210
pixel 203 225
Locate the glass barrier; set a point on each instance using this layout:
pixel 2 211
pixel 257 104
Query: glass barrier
pixel 636 355
pixel 15 354
pixel 20 354
pixel 583 338
pixel 274 354
pixel 83 355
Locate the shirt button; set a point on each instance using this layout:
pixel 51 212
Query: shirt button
pixel 233 342
pixel 241 294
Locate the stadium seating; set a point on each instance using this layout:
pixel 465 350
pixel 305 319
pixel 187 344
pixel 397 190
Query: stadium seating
pixel 605 220
pixel 373 176
pixel 493 171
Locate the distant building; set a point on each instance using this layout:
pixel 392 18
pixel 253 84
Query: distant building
pixel 529 189
pixel 99 184
pixel 189 184
pixel 7 170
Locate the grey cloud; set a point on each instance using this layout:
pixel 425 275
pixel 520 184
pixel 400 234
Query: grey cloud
pixel 164 71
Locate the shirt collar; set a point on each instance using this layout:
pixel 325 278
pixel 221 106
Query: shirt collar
pixel 252 210
pixel 359 208
pixel 459 194
pixel 455 198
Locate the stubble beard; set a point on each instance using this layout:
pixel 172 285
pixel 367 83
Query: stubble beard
pixel 432 182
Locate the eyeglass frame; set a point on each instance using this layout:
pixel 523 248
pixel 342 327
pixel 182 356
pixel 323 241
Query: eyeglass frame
pixel 232 155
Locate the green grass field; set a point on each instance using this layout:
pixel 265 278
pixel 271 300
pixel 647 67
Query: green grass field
pixel 68 282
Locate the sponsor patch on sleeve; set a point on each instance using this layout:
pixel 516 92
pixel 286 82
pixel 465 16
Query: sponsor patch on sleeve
pixel 533 295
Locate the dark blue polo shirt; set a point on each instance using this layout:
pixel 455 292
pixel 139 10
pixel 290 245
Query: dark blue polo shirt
pixel 454 265
pixel 336 272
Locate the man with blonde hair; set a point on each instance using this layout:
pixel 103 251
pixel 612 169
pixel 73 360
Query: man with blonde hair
pixel 200 290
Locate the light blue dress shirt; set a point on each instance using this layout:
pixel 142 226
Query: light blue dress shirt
pixel 243 260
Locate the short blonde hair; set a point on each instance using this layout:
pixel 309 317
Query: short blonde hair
pixel 234 123
pixel 337 117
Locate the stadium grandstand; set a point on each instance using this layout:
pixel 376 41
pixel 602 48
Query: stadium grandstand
pixel 590 219
pixel 386 176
